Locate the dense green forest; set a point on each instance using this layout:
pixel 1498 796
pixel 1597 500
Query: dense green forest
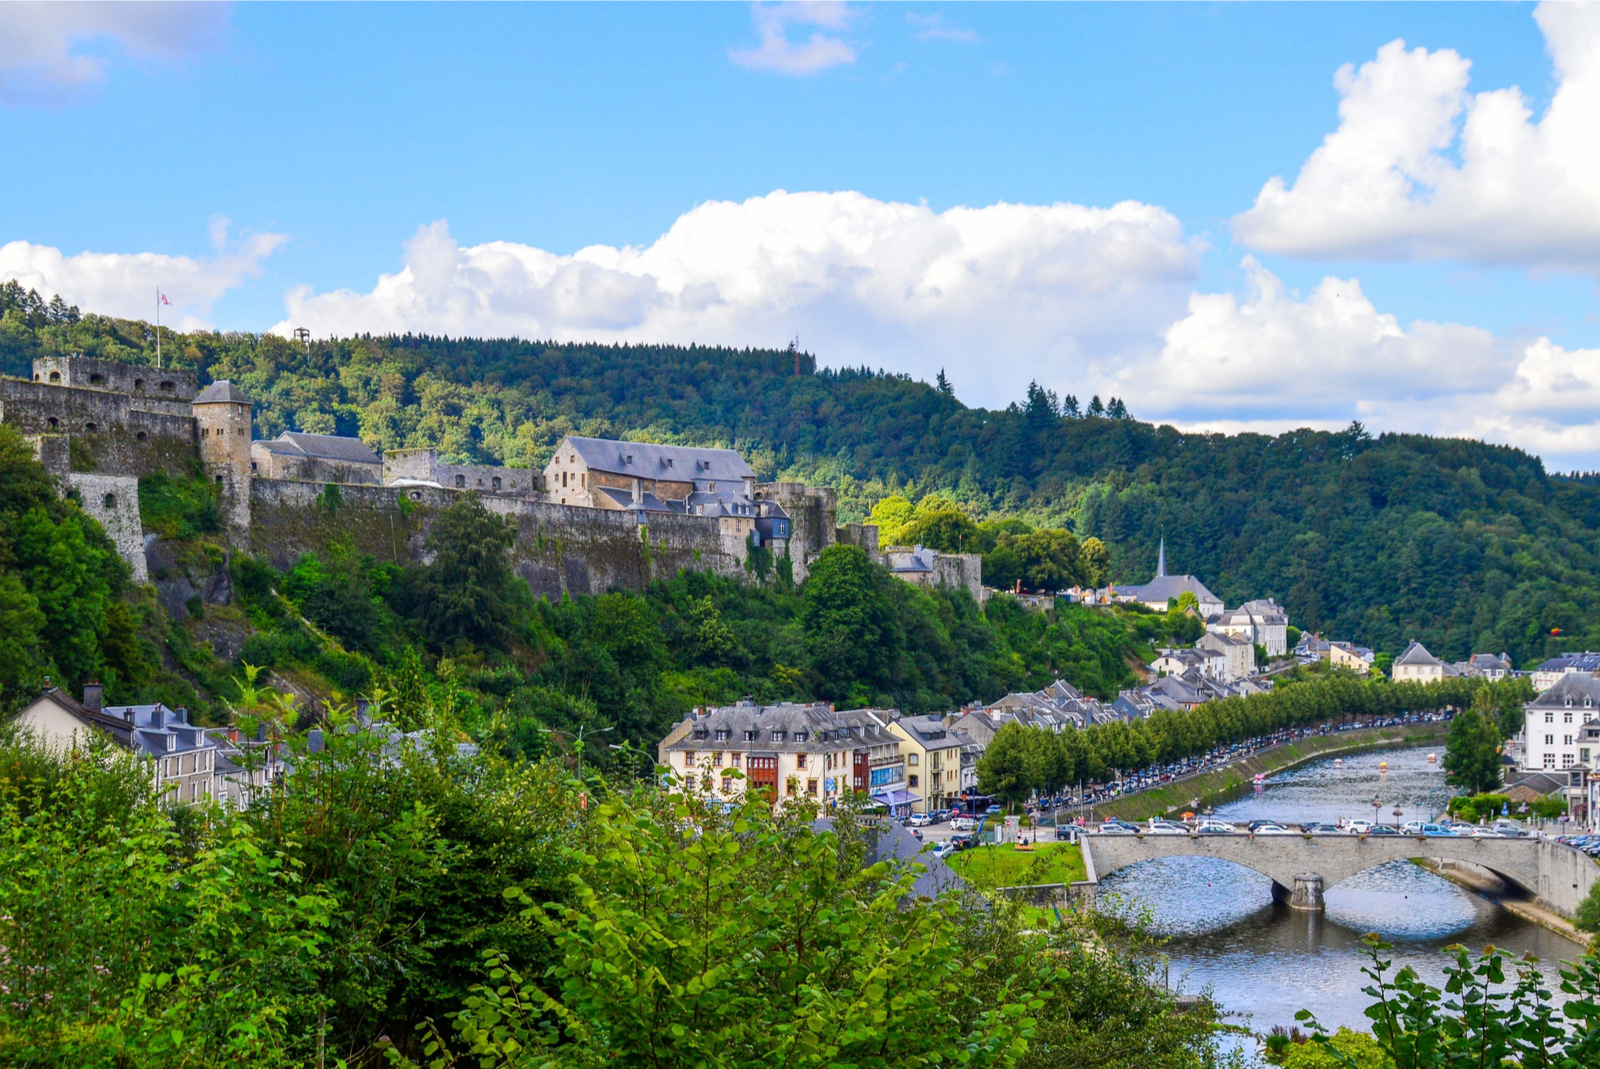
pixel 1464 545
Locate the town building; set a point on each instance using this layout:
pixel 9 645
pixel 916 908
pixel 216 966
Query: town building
pixel 1165 588
pixel 1545 675
pixel 180 756
pixel 1260 623
pixel 1417 665
pixel 1209 663
pixel 1487 666
pixel 933 761
pixel 317 458
pixel 932 569
pixel 1238 654
pixel 1554 722
pixel 792 751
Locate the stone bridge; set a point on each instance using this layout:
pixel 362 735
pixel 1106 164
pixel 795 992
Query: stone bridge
pixel 1301 866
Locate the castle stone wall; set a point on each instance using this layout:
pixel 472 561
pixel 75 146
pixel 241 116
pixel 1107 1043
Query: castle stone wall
pixel 113 500
pixel 167 388
pixel 120 438
pixel 559 549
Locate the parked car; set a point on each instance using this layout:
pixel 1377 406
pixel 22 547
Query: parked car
pixel 1383 829
pixel 993 810
pixel 1436 829
pixel 1358 827
pixel 961 824
pixel 1116 829
pixel 1509 829
pixel 1165 827
pixel 945 849
pixel 1412 827
pixel 920 820
pixel 1272 829
pixel 1318 827
pixel 1215 827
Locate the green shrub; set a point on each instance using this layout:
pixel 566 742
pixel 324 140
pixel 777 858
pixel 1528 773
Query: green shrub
pixel 346 671
pixel 179 509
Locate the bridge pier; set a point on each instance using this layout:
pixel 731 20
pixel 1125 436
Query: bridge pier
pixel 1307 892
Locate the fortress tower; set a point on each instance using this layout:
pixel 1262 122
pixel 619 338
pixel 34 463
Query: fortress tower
pixel 222 419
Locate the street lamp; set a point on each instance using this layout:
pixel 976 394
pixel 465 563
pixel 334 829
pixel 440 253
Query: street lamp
pixel 627 750
pixel 583 728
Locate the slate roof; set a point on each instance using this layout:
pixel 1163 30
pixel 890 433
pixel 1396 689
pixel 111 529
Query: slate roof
pixel 221 391
pixel 919 560
pixel 1578 686
pixel 623 499
pixel 649 461
pixel 822 728
pixel 1417 654
pixel 894 843
pixel 1166 587
pixel 151 730
pixel 1488 662
pixel 322 446
pixel 928 730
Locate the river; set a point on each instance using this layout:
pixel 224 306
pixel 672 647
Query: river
pixel 1262 961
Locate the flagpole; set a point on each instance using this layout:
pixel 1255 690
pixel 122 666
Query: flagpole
pixel 158 326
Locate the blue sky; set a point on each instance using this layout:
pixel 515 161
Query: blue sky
pixel 437 168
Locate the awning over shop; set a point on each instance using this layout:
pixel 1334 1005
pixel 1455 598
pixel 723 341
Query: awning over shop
pixel 894 797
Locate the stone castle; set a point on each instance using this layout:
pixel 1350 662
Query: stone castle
pixel 100 425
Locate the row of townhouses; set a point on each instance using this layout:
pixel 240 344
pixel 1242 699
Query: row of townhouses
pixel 188 764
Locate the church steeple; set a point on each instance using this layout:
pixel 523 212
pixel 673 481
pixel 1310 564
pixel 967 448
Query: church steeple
pixel 1161 560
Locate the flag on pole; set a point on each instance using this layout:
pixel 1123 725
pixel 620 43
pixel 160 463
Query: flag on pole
pixel 163 297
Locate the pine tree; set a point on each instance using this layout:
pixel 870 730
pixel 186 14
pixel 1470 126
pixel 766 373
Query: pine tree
pixel 1096 409
pixel 942 384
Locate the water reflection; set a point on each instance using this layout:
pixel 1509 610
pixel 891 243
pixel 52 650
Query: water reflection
pixel 1268 961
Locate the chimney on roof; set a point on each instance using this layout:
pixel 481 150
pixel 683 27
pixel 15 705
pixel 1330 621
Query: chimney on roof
pixel 94 696
pixel 181 715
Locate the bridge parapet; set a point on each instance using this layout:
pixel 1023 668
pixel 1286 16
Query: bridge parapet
pixel 1521 863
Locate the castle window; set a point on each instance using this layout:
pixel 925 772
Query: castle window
pixel 54 422
pixel 205 432
pixel 55 376
pixel 97 380
pixel 109 501
pixel 91 427
pixel 461 481
pixel 168 386
pixel 252 465
pixel 219 480
pixel 138 384
pixel 416 495
pixel 141 436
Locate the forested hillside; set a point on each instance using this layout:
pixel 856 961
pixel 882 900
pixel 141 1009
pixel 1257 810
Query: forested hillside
pixel 1464 545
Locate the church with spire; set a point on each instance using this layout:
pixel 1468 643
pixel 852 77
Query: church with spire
pixel 1164 588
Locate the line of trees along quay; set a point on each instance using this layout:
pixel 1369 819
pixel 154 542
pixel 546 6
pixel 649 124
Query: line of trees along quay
pixel 1020 760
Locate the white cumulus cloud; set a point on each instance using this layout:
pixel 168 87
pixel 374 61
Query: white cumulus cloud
pixel 124 284
pixel 48 51
pixel 1421 168
pixel 1270 359
pixel 816 52
pixel 997 294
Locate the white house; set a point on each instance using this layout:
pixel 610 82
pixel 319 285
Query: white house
pixel 1417 665
pixel 1555 722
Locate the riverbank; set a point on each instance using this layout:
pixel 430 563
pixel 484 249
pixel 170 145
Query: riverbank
pixel 1491 888
pixel 1222 784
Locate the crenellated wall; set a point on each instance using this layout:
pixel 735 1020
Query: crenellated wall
pixel 120 437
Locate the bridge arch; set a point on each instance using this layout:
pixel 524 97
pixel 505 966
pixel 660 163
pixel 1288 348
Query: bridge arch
pixel 1335 858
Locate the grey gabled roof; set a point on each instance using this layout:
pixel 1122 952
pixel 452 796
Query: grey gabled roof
pixel 1578 686
pixel 660 461
pixel 824 728
pixel 324 446
pixel 1417 654
pixel 219 392
pixel 1165 587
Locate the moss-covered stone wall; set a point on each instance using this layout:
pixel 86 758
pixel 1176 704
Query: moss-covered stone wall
pixel 559 549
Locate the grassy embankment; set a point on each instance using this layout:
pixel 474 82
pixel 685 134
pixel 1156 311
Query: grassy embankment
pixel 987 867
pixel 1219 784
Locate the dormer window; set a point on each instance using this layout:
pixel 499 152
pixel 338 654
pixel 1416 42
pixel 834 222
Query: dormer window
pixel 749 736
pixel 801 736
pixel 722 735
pixel 777 736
